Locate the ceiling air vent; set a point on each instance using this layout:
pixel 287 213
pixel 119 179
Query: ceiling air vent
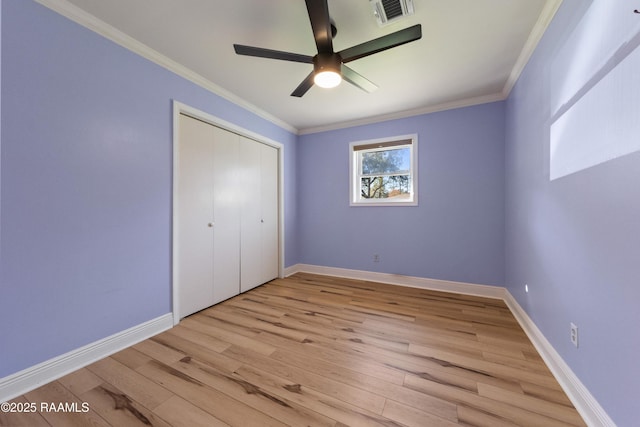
pixel 388 11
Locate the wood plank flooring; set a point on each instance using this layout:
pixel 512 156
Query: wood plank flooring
pixel 322 351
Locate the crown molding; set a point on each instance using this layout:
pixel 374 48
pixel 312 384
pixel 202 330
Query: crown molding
pixel 544 20
pixel 468 102
pixel 81 17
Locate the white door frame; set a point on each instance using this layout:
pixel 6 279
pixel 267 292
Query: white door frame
pixel 180 108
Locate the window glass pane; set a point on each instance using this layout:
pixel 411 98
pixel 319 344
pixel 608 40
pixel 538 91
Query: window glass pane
pixel 385 187
pixel 386 161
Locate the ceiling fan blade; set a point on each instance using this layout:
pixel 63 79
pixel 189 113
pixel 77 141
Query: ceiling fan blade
pixel 382 43
pixel 321 24
pixel 304 86
pixel 357 79
pixel 272 54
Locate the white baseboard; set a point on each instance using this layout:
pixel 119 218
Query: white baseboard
pixel 588 407
pixel 50 370
pixel 401 280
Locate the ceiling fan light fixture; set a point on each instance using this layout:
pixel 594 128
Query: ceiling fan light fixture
pixel 327 79
pixel 327 70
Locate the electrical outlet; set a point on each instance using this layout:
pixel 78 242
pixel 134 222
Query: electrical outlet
pixel 574 334
pixel 376 258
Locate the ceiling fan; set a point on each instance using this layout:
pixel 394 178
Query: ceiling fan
pixel 328 66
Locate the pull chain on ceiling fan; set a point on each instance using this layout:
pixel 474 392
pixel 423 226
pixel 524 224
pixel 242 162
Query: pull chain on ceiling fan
pixel 328 66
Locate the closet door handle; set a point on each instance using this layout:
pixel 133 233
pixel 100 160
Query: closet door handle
pixel 262 220
pixel 210 225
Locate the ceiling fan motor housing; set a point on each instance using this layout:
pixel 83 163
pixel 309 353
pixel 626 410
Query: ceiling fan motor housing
pixel 327 62
pixel 327 70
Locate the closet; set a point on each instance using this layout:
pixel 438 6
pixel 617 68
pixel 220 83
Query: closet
pixel 226 208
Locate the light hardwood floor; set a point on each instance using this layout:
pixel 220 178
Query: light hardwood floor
pixel 316 350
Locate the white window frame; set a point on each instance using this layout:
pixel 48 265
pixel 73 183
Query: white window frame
pixel 355 198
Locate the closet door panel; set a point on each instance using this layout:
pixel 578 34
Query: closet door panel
pixel 269 210
pixel 250 246
pixel 226 205
pixel 195 213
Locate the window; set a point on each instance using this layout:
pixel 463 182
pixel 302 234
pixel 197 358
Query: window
pixel 384 172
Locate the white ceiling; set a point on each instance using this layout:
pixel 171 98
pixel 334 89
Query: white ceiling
pixel 471 52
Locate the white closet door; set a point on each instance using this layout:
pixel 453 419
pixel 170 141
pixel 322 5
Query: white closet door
pixel 195 216
pixel 269 208
pixel 226 208
pixel 251 215
pixel 226 216
pixel 259 229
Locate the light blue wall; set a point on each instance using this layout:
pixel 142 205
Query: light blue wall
pixel 576 240
pixel 86 184
pixel 456 232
